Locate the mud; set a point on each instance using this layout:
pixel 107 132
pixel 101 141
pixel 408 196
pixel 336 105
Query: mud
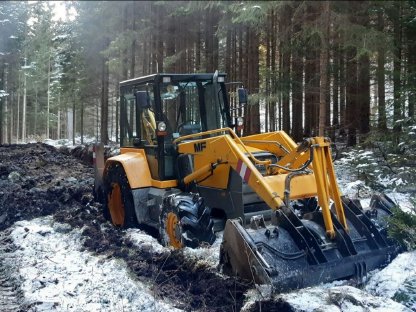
pixel 11 295
pixel 38 180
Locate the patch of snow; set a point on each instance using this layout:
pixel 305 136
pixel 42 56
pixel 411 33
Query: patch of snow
pixel 69 143
pixel 339 298
pixel 401 199
pixel 390 279
pixel 206 255
pixel 330 297
pixel 58 276
pixel 143 240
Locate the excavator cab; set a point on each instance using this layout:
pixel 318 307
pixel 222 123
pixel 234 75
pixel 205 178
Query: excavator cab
pixel 184 173
pixel 156 109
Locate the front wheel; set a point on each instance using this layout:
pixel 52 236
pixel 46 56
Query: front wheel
pixel 186 221
pixel 118 198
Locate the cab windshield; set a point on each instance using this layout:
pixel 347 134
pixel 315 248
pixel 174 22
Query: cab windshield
pixel 192 106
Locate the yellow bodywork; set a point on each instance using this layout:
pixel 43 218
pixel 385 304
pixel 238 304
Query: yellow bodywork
pixel 136 167
pixel 222 150
pixel 296 175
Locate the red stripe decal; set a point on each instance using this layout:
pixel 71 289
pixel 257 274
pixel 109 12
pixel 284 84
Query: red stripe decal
pixel 247 175
pixel 239 163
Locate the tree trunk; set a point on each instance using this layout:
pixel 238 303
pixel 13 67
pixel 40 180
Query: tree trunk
pixel 18 109
pixel 48 96
pixel 170 43
pixel 364 94
pixel 324 70
pixel 2 68
pixel 209 45
pixel 254 77
pixel 161 30
pixel 104 102
pixel 382 124
pixel 267 74
pixel 397 33
pixel 280 86
pixel 272 112
pixel 82 122
pixel 124 50
pixel 286 35
pixel 364 81
pixel 73 121
pixel 247 110
pixel 24 105
pixel 7 111
pixel 335 86
pixel 342 85
pixel 198 47
pixel 297 87
pixel 35 125
pixel 133 44
pixel 411 68
pixel 351 96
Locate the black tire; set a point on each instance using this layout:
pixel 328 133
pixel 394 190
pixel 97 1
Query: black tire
pixel 123 216
pixel 193 225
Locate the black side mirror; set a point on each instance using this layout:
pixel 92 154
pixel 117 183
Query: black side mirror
pixel 143 99
pixel 242 96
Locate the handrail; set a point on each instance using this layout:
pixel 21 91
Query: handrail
pixel 233 135
pixel 267 141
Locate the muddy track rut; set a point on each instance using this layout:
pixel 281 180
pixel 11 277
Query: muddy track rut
pixel 11 295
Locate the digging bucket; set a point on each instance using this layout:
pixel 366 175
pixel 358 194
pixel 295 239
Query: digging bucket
pixel 293 252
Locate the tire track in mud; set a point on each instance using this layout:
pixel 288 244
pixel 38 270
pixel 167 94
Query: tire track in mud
pixel 11 295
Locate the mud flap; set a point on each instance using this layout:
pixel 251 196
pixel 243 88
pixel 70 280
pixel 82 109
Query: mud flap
pixel 240 256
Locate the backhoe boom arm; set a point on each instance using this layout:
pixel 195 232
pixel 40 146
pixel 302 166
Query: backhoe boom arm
pixel 215 155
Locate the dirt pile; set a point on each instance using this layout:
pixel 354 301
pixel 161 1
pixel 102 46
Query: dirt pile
pixel 38 180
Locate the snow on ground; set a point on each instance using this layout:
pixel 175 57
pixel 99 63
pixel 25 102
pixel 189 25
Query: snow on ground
pixel 145 241
pixel 330 297
pixel 69 143
pixel 390 281
pixel 209 256
pixel 340 298
pixel 58 276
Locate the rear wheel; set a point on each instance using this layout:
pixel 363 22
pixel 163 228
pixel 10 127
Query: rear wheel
pixel 118 198
pixel 186 221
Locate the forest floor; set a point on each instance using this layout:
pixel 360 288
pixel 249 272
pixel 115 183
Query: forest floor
pixel 58 253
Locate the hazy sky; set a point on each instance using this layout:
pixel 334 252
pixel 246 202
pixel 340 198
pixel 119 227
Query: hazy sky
pixel 60 12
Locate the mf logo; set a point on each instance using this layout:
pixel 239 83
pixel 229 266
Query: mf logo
pixel 200 146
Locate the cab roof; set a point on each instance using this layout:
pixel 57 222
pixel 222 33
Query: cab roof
pixel 174 77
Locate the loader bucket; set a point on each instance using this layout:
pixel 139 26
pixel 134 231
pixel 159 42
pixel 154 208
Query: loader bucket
pixel 293 252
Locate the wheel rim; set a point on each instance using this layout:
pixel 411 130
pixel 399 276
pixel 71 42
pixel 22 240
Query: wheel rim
pixel 173 230
pixel 115 205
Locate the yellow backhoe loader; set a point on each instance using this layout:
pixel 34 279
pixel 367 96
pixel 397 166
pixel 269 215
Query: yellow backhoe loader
pixel 185 173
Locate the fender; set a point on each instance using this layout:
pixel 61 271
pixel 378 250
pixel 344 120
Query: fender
pixel 135 166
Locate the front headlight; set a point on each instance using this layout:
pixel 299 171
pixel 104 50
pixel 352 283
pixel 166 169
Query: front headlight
pixel 239 121
pixel 161 126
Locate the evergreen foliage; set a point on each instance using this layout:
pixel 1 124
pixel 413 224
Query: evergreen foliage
pixel 402 227
pixel 275 48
